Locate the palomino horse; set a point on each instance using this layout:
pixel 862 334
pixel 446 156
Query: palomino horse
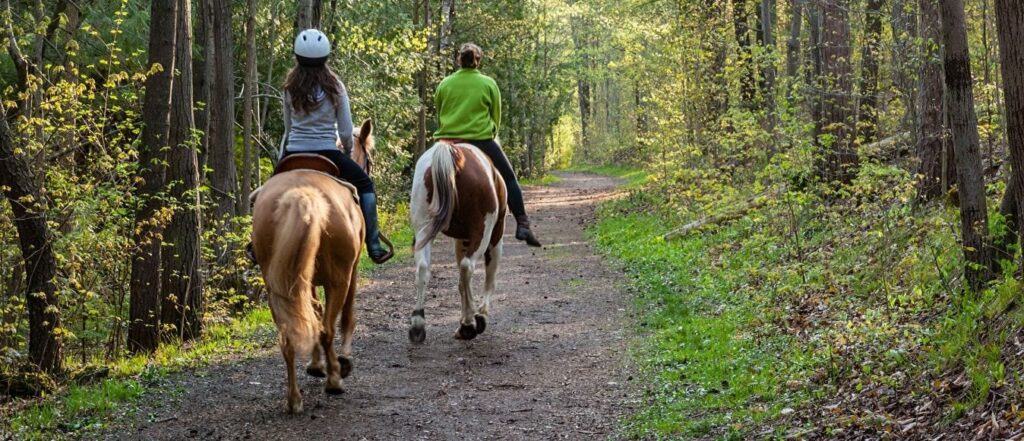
pixel 308 231
pixel 457 191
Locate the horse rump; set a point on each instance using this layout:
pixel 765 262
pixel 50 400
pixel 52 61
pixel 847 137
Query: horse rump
pixel 301 214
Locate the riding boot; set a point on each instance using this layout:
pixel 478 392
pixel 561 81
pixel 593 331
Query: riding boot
pixel 523 231
pixel 378 254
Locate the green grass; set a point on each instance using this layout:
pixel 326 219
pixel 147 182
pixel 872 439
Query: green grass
pixel 710 372
pixel 635 178
pixel 88 407
pixel 548 179
pixel 801 304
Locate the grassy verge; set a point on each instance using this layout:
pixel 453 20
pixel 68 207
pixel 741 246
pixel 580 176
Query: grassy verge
pixel 634 177
pixel 548 179
pixel 81 409
pixel 807 319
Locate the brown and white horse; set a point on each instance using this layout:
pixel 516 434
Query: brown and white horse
pixel 457 191
pixel 308 231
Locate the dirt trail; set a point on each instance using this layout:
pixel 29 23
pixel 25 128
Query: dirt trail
pixel 551 365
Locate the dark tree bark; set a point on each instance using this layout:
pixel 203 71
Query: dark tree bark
pixel 582 81
pixel 793 45
pixel 203 74
pixel 814 61
pixel 250 158
pixel 871 54
pixel 936 169
pixel 836 89
pixel 22 191
pixel 766 38
pixel 745 63
pixel 182 282
pixel 308 14
pixel 421 17
pixel 144 312
pixel 223 179
pixel 964 128
pixel 1010 27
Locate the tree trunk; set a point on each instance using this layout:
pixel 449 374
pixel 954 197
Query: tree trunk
pixel 421 18
pixel 308 15
pixel 835 95
pixel 904 50
pixel 582 81
pixel 815 68
pixel 203 73
pixel 871 54
pixel 182 283
pixel 1010 26
pixel 793 45
pixel 22 191
pixel 964 128
pixel 744 62
pixel 247 110
pixel 931 150
pixel 223 180
pixel 144 306
pixel 766 34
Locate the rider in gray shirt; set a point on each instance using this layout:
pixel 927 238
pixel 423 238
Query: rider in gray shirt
pixel 317 116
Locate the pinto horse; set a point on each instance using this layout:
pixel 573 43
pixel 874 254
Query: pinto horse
pixel 457 191
pixel 308 231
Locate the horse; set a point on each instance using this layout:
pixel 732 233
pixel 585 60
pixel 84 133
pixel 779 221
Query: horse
pixel 457 191
pixel 308 231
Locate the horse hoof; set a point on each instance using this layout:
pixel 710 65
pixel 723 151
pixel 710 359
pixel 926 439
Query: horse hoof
pixel 294 408
pixel 336 390
pixel 481 323
pixel 466 332
pixel 346 366
pixel 317 372
pixel 417 334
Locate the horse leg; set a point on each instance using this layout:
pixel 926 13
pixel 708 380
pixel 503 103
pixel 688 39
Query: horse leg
pixel 315 368
pixel 294 404
pixel 467 262
pixel 491 258
pixel 418 321
pixel 335 294
pixel 348 326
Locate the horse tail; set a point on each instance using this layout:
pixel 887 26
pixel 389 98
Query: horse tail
pixel 442 205
pixel 301 215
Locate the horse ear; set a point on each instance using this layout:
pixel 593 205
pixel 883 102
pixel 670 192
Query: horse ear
pixel 367 129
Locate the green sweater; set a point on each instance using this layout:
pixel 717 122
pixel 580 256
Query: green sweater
pixel 468 106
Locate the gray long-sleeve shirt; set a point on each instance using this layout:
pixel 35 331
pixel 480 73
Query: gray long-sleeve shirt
pixel 319 129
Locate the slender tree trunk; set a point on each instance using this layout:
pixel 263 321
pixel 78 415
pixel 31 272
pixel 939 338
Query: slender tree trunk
pixel 223 179
pixel 766 22
pixel 182 282
pixel 23 192
pixel 871 54
pixel 247 109
pixel 421 18
pixel 582 81
pixel 815 68
pixel 308 15
pixel 793 45
pixel 931 150
pixel 144 305
pixel 836 90
pixel 744 62
pixel 1010 27
pixel 203 66
pixel 905 64
pixel 964 127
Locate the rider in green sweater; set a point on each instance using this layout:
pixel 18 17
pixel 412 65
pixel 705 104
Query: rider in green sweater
pixel 469 109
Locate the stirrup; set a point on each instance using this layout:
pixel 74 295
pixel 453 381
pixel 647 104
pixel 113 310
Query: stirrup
pixel 386 257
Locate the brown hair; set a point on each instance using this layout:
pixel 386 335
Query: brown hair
pixel 301 86
pixel 470 56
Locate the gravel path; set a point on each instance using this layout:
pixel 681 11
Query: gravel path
pixel 551 365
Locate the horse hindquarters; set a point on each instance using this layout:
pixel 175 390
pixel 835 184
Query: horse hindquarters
pixel 289 274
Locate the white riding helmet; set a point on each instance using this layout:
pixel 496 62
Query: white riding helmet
pixel 312 48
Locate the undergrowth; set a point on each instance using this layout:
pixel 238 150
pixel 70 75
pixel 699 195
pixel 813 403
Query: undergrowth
pixel 812 315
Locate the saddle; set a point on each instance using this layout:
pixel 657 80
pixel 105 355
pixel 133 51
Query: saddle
pixel 311 162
